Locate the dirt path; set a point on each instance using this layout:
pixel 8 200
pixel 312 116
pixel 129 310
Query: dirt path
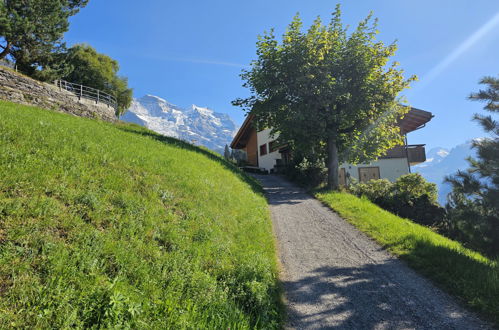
pixel 336 277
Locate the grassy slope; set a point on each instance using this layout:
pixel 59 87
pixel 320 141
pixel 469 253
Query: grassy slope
pixel 462 272
pixel 105 225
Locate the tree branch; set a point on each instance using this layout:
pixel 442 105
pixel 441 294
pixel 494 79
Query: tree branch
pixel 6 50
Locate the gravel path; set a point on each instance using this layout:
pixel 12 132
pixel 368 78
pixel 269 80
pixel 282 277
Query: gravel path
pixel 337 278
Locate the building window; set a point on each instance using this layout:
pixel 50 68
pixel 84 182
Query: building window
pixel 367 174
pixel 273 146
pixel 263 149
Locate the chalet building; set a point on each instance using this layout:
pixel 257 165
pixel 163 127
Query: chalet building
pixel 263 152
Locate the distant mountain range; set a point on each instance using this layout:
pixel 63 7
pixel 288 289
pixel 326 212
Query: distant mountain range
pixel 441 162
pixel 198 125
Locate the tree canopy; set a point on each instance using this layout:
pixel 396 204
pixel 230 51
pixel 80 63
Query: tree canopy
pixel 474 201
pixel 93 69
pixel 326 92
pixel 31 32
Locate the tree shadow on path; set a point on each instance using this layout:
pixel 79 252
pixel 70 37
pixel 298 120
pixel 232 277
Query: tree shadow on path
pixel 372 296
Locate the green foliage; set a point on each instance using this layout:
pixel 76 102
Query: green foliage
pixel 99 71
pixel 32 32
pixel 460 271
pixel 307 172
pixel 410 196
pixel 474 201
pixel 378 191
pixel 114 226
pixel 329 94
pixel 413 186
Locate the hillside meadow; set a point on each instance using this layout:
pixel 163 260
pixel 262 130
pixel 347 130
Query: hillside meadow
pixel 113 226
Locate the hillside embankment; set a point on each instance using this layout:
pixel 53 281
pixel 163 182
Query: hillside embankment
pixel 21 89
pixel 110 225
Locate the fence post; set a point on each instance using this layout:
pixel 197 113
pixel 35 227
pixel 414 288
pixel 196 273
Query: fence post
pixel 81 92
pixel 97 96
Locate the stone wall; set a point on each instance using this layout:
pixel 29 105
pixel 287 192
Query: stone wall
pixel 18 88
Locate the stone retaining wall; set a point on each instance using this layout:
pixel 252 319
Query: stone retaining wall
pixel 18 88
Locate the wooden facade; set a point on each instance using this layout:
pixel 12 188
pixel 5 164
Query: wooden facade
pixel 252 148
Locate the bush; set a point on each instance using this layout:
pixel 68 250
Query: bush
pixel 375 190
pixel 308 173
pixel 411 196
pixel 411 187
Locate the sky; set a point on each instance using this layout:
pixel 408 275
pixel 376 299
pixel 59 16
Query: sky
pixel 193 51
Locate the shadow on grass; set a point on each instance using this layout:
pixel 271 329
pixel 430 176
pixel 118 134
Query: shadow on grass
pixel 136 129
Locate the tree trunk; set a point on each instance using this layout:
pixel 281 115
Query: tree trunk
pixel 6 51
pixel 332 164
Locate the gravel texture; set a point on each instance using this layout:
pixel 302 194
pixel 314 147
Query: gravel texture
pixel 335 277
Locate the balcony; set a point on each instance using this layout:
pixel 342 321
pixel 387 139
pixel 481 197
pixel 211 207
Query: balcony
pixel 414 152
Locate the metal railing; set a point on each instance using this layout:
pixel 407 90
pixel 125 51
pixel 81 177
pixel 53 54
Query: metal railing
pixel 88 93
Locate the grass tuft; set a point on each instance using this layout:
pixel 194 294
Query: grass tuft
pixel 113 226
pixel 466 274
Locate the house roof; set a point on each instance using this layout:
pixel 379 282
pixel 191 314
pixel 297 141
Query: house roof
pixel 240 139
pixel 413 120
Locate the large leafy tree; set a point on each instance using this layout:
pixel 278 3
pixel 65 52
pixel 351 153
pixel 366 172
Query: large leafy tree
pixel 329 93
pixel 31 32
pixel 99 71
pixel 474 201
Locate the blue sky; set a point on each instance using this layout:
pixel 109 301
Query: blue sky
pixel 193 51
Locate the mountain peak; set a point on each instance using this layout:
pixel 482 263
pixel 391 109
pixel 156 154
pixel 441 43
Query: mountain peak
pixel 153 98
pixel 202 110
pixel 441 162
pixel 207 127
pixel 443 153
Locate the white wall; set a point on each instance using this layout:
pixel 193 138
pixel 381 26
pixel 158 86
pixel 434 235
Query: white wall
pixel 269 160
pixel 390 169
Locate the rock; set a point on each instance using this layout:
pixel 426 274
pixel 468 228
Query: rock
pixel 21 89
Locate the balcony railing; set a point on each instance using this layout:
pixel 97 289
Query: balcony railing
pixel 415 153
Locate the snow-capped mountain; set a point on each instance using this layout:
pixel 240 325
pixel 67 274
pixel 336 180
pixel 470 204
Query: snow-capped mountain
pixel 441 162
pixel 434 156
pixel 196 124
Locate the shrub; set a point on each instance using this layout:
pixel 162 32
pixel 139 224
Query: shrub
pixel 413 186
pixel 376 191
pixel 307 172
pixel 410 196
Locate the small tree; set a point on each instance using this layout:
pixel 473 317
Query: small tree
pixel 227 154
pixel 99 71
pixel 32 32
pixel 474 201
pixel 327 93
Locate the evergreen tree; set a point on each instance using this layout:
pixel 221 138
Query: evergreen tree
pixel 227 154
pixel 31 33
pixel 474 201
pixel 329 94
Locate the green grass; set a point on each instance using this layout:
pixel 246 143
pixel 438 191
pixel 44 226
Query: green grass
pixel 468 275
pixel 112 226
